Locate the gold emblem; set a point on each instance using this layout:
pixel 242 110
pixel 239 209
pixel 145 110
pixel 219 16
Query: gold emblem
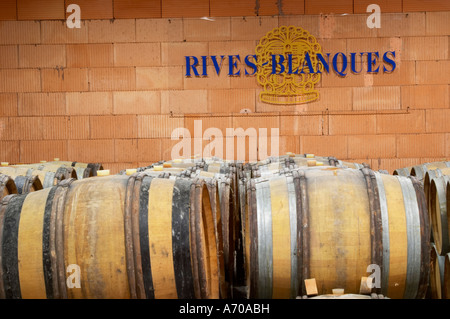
pixel 284 58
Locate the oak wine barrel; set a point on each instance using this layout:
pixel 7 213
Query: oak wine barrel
pixel 446 290
pixel 7 186
pixel 420 170
pixel 330 224
pixel 131 237
pixel 439 213
pixel 437 267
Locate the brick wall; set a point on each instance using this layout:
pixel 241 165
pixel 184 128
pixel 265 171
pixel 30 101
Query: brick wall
pixel 114 90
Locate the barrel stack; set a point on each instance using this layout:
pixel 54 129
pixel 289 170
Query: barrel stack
pixel 210 228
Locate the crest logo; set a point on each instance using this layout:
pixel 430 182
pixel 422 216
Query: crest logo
pixel 286 63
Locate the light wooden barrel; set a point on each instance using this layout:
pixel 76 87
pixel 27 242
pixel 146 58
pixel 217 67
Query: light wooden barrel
pixel 437 267
pixel 7 186
pixel 404 171
pixel 439 214
pixel 332 223
pixel 446 290
pixel 49 175
pixel 131 237
pixel 429 175
pixel 83 170
pixel 420 170
pixel 26 184
pixel 230 232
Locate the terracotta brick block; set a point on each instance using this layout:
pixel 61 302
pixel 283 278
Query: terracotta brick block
pixel 244 82
pixel 160 30
pixel 438 120
pixel 126 150
pixel 328 6
pixel 447 145
pixel 432 72
pixel 252 28
pixel 64 80
pixel 308 22
pixel 137 102
pixel 137 54
pixel 20 32
pixel 301 125
pixel 91 151
pixel 42 56
pixel 115 168
pixel 5 130
pixel 124 9
pixel 376 98
pixel 25 128
pixel 402 25
pixel 159 78
pixel 230 8
pixel 57 32
pixel 174 53
pixel 158 126
pixel 111 31
pixel 89 103
pixel 360 6
pixel 113 126
pixel 231 101
pixel 371 146
pixel 352 124
pixel 428 5
pixel 425 48
pixel 8 10
pixel 41 104
pixel 184 101
pixel 219 29
pixel 256 122
pixel 90 55
pixel 291 7
pixel 380 45
pixel 437 23
pixel 20 80
pixel 36 151
pixel 166 149
pixel 414 122
pixel 344 26
pixel 404 74
pixel 54 128
pixel 40 9
pixel 425 96
pixel 112 79
pixel 421 145
pixel 8 102
pixel 332 79
pixel 78 127
pixel 289 144
pixel 9 57
pixel 149 150
pixel 202 127
pixel 331 99
pixel 325 146
pixel 185 9
pixel 10 151
pixel 212 81
pixel 391 164
pixel 90 10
